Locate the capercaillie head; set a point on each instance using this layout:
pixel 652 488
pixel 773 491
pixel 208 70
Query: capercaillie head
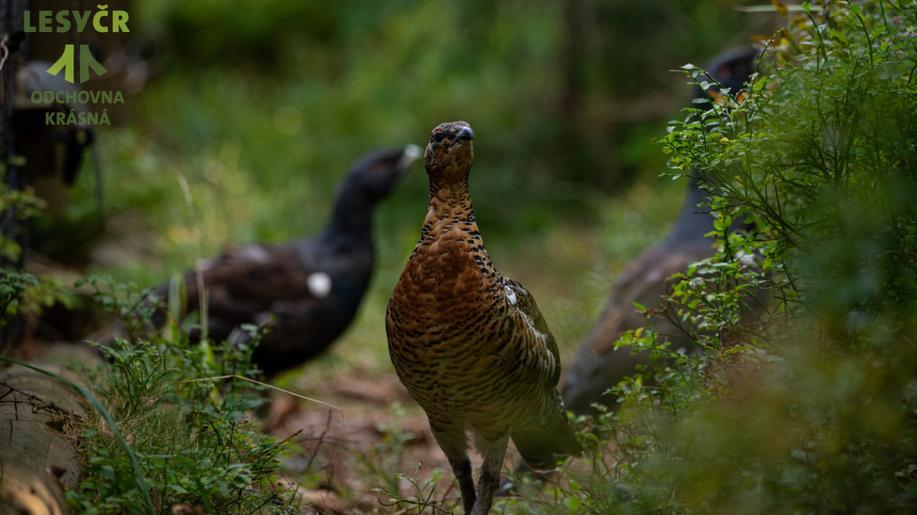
pixel 376 174
pixel 449 154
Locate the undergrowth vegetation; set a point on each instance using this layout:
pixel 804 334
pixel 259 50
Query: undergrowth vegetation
pixel 184 412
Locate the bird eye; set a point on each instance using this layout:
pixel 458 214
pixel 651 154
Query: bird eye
pixel 439 136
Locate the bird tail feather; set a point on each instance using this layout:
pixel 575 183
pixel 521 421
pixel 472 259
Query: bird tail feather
pixel 543 444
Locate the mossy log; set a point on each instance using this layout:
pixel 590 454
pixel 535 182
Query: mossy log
pixel 40 420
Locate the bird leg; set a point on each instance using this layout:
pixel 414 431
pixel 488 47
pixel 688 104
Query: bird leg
pixel 454 445
pixel 489 482
pixel 462 471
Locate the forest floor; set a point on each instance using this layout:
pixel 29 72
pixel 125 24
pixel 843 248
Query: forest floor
pixel 377 439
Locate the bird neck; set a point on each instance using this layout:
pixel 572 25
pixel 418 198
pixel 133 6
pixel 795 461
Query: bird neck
pixel 693 221
pixel 450 202
pixel 452 242
pixel 352 214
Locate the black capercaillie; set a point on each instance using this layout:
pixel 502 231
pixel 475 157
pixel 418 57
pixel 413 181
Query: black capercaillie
pixel 598 365
pixel 471 345
pixel 306 291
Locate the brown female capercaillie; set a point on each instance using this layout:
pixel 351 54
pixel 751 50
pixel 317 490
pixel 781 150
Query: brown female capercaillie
pixel 469 344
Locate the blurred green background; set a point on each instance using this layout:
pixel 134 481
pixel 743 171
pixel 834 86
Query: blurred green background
pixel 259 108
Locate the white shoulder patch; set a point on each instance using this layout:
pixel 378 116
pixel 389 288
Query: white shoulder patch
pixel 319 284
pixel 255 253
pixel 510 295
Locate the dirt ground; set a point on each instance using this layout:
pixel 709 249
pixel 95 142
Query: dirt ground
pixel 352 458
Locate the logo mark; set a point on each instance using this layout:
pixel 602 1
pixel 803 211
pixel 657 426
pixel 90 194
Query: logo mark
pixel 67 63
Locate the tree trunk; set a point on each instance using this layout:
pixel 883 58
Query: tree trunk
pixel 40 420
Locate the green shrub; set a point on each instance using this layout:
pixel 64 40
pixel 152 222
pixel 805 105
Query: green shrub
pixel 187 421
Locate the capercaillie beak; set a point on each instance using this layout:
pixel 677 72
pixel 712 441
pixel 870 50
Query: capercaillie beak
pixel 464 134
pixel 408 156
